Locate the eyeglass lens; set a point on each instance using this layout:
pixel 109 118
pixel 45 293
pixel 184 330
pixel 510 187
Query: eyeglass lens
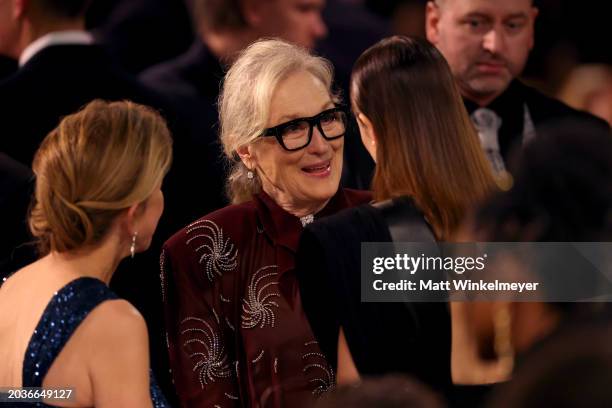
pixel 296 135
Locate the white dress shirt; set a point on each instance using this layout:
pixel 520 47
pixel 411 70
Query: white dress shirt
pixel 54 38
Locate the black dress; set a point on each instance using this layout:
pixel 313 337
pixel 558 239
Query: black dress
pixel 410 338
pixel 383 338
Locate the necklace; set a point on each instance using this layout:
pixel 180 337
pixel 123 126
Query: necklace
pixel 307 219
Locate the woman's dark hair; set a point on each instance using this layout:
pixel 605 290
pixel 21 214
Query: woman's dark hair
pixel 426 145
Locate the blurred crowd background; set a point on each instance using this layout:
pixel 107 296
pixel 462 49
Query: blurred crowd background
pixel 571 60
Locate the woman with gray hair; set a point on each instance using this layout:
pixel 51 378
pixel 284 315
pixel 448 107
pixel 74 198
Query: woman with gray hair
pixel 236 331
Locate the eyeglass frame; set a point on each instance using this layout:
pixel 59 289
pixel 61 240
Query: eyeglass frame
pixel 276 131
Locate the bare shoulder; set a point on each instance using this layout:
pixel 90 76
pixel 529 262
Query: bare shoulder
pixel 116 321
pixel 118 361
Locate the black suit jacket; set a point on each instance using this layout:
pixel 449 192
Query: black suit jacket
pixel 130 30
pixel 15 189
pixel 543 110
pixel 61 79
pixel 56 82
pixel 191 82
pixel 7 67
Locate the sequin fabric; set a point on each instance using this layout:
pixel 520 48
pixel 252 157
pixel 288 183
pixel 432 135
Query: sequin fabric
pixel 66 310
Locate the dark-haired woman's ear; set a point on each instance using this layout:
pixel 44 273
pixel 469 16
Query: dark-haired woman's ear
pixel 368 135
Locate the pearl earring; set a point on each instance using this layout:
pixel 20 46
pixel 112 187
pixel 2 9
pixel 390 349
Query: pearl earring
pixel 250 175
pixel 133 246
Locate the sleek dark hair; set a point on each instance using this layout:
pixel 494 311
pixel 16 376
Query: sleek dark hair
pixel 427 147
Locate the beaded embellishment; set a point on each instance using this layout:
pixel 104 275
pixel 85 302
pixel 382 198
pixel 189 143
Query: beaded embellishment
pixel 307 219
pixel 218 254
pixel 206 349
pixel 317 363
pixel 257 308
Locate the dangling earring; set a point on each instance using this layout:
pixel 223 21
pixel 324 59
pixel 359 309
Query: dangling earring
pixel 250 175
pixel 133 246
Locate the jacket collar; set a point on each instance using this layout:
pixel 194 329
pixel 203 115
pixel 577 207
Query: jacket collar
pixel 70 37
pixel 284 228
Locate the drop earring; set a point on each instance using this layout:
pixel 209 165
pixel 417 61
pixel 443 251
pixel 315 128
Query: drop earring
pixel 250 175
pixel 133 246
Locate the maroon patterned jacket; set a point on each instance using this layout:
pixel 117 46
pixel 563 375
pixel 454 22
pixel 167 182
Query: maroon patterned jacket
pixel 236 331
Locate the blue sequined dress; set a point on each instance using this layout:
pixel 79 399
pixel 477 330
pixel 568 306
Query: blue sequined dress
pixel 66 310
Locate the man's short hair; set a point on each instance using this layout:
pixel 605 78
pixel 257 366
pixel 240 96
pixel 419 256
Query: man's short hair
pixel 63 8
pixel 214 15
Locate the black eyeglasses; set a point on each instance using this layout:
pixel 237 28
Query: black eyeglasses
pixel 297 133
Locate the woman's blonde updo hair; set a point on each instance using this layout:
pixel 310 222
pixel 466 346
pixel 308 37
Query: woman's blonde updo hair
pixel 246 96
pixel 96 163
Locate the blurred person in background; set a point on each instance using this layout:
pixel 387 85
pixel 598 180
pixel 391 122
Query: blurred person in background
pixel 571 371
pixel 97 200
pixel 430 171
pixel 352 29
pixel 404 16
pixel 487 44
pixel 224 28
pixel 237 334
pixel 562 193
pixel 60 70
pixel 130 30
pixel 589 87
